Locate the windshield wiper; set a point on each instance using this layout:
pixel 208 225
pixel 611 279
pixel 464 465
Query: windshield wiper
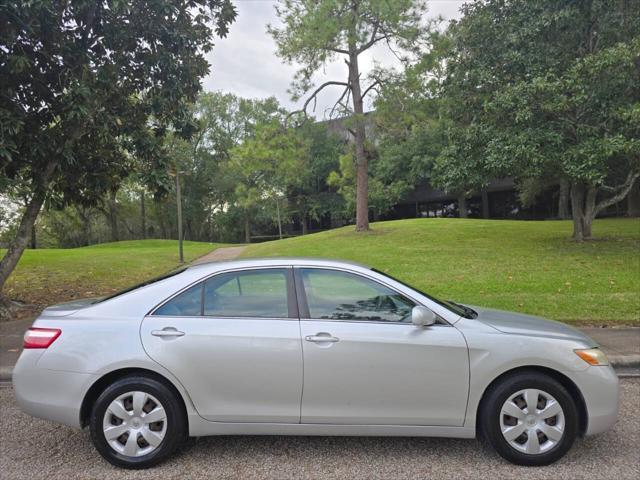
pixel 469 312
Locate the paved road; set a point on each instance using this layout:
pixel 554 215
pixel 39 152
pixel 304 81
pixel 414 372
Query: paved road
pixel 33 449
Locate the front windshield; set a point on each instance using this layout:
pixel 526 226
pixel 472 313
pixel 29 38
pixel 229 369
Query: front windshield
pixel 456 308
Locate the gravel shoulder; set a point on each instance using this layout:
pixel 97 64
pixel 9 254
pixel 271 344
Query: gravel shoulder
pixel 34 449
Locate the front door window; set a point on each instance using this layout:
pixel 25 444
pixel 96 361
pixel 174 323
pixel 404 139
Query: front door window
pixel 338 295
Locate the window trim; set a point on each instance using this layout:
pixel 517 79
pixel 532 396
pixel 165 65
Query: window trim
pixel 292 305
pixel 304 305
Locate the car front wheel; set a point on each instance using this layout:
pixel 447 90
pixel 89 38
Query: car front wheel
pixel 136 422
pixel 530 419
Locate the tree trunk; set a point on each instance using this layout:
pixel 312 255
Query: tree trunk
pixel 563 200
pixel 86 225
pixel 160 217
pixel 305 223
pixel 462 206
pixel 362 167
pixel 247 228
pixel 485 204
pixel 279 219
pixel 19 243
pixel 143 216
pixel 33 243
pixel 113 216
pixel 583 211
pixel 633 200
pixel 584 207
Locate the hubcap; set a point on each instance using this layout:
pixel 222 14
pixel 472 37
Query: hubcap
pixel 532 421
pixel 135 424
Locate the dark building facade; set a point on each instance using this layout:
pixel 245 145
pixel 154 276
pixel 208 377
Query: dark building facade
pixel 499 200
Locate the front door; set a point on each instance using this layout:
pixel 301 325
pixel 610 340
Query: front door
pixel 233 341
pixel 365 363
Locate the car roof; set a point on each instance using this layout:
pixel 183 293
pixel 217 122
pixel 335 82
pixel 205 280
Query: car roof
pixel 276 261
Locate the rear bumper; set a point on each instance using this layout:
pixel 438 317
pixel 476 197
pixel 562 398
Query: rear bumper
pixel 600 390
pixel 49 394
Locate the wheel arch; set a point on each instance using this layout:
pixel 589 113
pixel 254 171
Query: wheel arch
pixel 566 382
pixel 107 379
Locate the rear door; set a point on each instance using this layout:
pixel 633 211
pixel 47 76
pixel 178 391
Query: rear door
pixel 233 341
pixel 365 363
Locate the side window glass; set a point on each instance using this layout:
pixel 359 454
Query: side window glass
pixel 336 295
pixel 252 293
pixel 187 304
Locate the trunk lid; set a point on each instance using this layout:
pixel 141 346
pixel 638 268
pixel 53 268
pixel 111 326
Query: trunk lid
pixel 67 308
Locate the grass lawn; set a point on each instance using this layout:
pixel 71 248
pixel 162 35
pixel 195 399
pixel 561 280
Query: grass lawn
pixel 530 267
pixel 47 276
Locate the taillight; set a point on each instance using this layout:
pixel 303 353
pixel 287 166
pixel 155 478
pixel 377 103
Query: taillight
pixel 40 337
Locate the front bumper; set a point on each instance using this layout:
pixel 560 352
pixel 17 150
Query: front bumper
pixel 600 389
pixel 49 394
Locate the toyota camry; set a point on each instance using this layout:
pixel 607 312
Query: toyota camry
pixel 287 346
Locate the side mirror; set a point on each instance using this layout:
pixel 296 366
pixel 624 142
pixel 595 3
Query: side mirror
pixel 422 316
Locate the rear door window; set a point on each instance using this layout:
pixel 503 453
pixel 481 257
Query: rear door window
pixel 250 293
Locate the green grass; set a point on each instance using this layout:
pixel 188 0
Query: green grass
pixel 531 267
pixel 47 276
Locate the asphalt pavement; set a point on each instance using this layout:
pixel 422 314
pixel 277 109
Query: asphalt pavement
pixel 35 449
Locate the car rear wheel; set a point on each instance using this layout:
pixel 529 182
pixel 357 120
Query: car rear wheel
pixel 530 419
pixel 136 422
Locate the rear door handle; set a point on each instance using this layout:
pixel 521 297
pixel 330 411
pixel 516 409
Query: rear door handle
pixel 167 332
pixel 321 338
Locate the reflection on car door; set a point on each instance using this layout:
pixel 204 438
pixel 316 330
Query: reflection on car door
pixel 366 364
pixel 233 341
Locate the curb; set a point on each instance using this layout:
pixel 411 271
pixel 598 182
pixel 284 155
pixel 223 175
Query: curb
pixel 5 373
pixel 624 361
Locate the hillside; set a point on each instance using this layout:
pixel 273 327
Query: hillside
pixel 531 267
pixel 46 276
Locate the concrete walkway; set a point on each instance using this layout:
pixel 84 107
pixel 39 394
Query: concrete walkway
pixel 220 254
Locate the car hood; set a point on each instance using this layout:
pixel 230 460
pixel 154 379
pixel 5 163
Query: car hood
pixel 67 308
pixel 520 324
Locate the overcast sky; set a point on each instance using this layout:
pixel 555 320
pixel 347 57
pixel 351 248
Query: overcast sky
pixel 245 63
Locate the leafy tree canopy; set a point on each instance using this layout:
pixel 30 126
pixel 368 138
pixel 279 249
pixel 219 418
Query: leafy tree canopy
pixel 89 89
pixel 547 86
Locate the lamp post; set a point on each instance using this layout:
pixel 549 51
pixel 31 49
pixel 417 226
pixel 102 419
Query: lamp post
pixel 179 203
pixel 177 173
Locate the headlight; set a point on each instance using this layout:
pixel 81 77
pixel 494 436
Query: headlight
pixel 593 356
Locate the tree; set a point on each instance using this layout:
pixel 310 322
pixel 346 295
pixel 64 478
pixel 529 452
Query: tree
pixel 265 166
pixel 410 130
pixel 310 197
pixel 316 32
pixel 89 89
pixel 572 110
pixel 224 121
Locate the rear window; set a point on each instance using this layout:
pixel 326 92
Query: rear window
pixel 143 284
pixel 187 304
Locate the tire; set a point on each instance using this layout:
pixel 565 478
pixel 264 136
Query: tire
pixel 151 396
pixel 513 389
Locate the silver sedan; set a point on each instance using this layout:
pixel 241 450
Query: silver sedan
pixel 287 346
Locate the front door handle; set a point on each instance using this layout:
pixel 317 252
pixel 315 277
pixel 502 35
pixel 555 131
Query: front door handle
pixel 167 332
pixel 322 337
